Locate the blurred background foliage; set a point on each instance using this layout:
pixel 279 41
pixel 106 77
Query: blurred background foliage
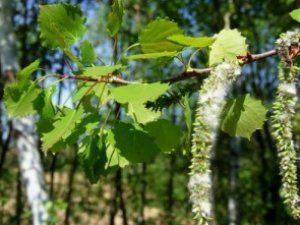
pixel 245 172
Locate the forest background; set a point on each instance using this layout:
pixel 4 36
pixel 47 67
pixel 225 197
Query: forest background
pixel 246 176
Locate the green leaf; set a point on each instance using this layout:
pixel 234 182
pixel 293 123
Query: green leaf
pixel 22 104
pixel 114 157
pixel 98 71
pixel 100 90
pixel 134 97
pixel 241 116
pixel 134 144
pixel 196 42
pixel 154 55
pixel 138 92
pixel 88 54
pixel 60 24
pixel 154 37
pixel 47 110
pixel 102 93
pixel 23 76
pixel 92 157
pixel 115 18
pixel 86 126
pixel 82 90
pixel 140 113
pixel 295 14
pixel 166 134
pixel 63 127
pixel 229 44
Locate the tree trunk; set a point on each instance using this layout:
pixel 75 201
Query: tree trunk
pixel 233 181
pixel 24 134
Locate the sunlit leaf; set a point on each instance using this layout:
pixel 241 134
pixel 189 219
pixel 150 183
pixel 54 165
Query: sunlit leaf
pixel 98 71
pixel 241 116
pixel 134 97
pixel 154 55
pixel 140 113
pixel 62 127
pixel 87 53
pixel 114 158
pixel 295 14
pixel 22 104
pixel 228 45
pixel 154 37
pixel 115 18
pixel 63 19
pixel 138 92
pixel 23 76
pixel 197 42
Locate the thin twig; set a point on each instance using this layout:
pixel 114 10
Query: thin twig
pixel 248 58
pixel 192 72
pixel 103 79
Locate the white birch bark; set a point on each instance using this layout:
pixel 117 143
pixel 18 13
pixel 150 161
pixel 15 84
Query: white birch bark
pixel 26 140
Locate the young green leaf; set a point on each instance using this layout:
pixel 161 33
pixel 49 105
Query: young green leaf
pixel 167 135
pixel 196 42
pixel 85 126
pixel 134 144
pixel 46 109
pixel 141 114
pixel 87 52
pixel 242 116
pixel 138 92
pixel 92 157
pixel 114 158
pixel 63 127
pixel 22 104
pixel 154 55
pixel 63 19
pixel 134 97
pixel 98 71
pixel 295 14
pixel 228 45
pixel 154 37
pixel 115 18
pixel 23 76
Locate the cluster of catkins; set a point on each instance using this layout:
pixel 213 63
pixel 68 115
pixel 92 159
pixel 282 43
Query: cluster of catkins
pixel 211 101
pixel 283 112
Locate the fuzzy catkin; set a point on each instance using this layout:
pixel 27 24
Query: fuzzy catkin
pixel 283 112
pixel 210 103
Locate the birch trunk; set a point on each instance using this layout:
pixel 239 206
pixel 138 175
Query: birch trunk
pixel 26 140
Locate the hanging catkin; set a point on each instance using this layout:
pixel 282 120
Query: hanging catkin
pixel 283 112
pixel 211 101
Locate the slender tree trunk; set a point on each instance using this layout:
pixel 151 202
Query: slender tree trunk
pixel 24 134
pixel 119 187
pixel 170 190
pixel 233 206
pixel 113 206
pixel 70 190
pixel 52 176
pixel 141 218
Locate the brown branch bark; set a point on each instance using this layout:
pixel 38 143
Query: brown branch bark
pixel 248 58
pixel 194 72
